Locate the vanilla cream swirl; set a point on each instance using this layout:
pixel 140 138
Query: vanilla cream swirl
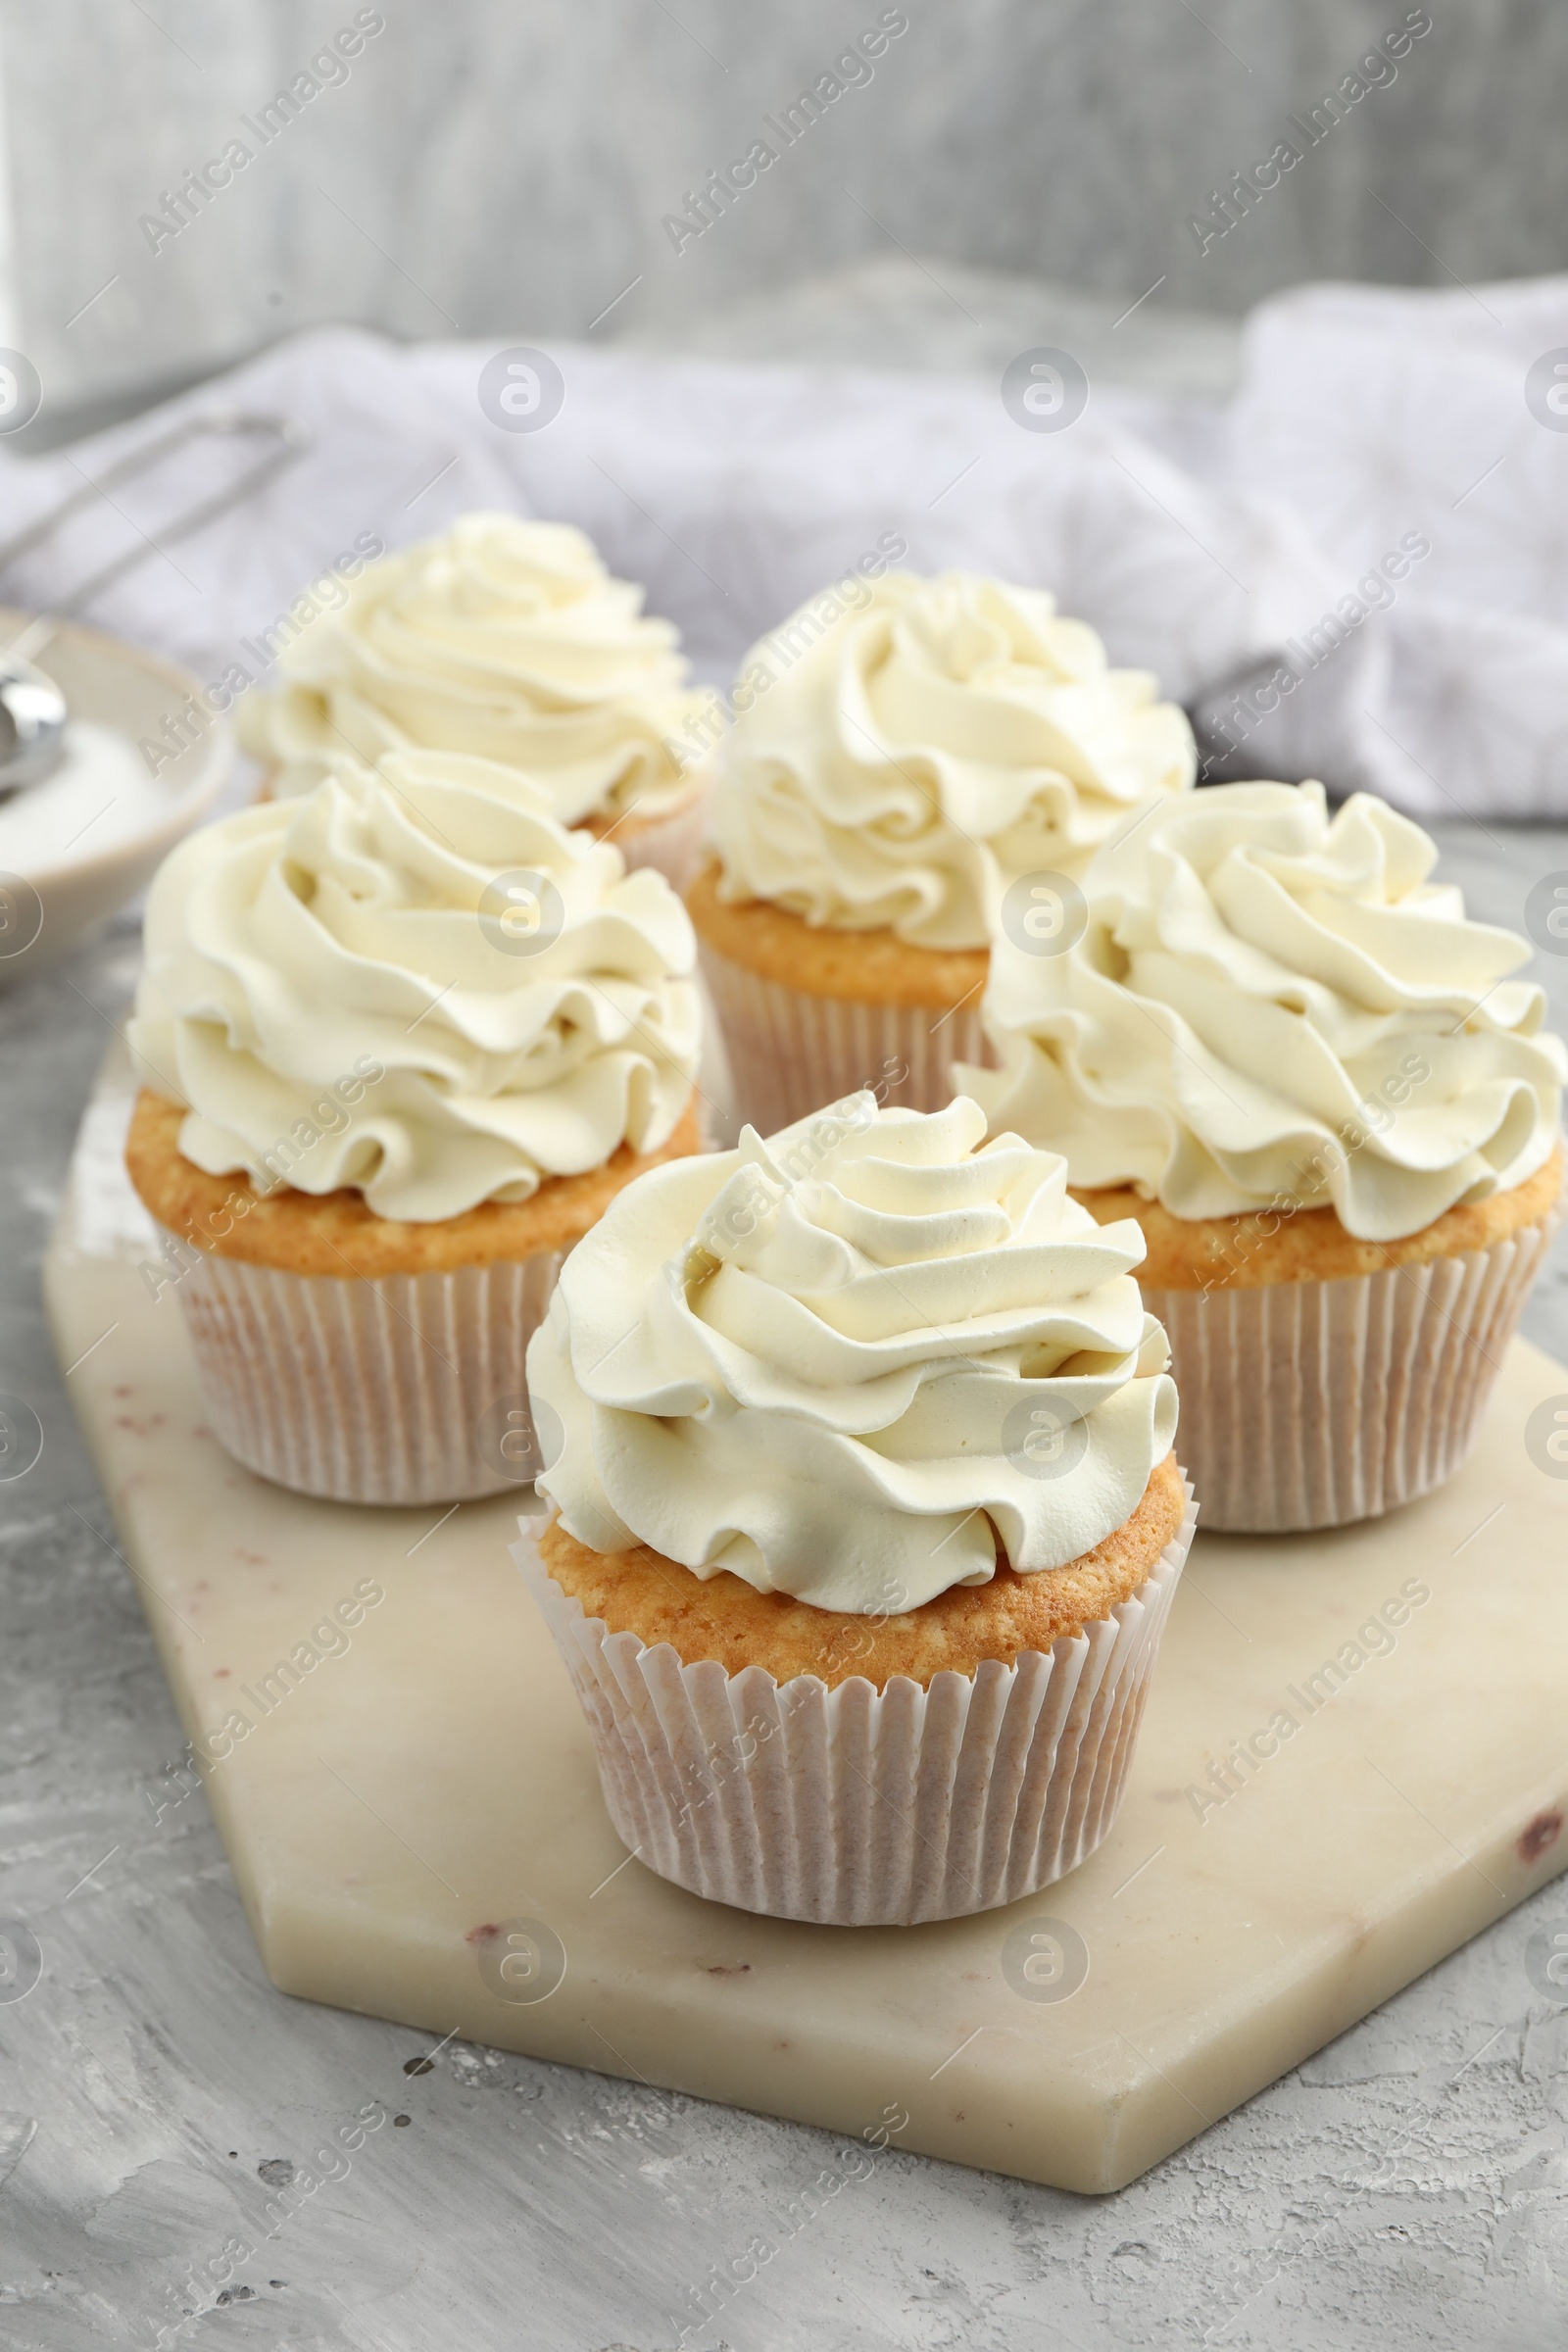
pixel 859 1364
pixel 1274 1007
pixel 901 765
pixel 504 639
pixel 524 1003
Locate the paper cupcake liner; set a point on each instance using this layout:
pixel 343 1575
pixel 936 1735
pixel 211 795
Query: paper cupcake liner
pixel 859 1808
pixel 670 844
pixel 1314 1404
pixel 790 1052
pixel 396 1389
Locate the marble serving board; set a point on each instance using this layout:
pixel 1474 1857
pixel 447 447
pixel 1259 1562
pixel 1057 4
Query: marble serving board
pixel 1353 1760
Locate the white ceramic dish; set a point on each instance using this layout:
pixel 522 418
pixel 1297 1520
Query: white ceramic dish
pixel 53 897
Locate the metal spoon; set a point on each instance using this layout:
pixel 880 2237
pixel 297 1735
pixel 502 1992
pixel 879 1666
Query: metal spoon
pixel 32 725
pixel 32 708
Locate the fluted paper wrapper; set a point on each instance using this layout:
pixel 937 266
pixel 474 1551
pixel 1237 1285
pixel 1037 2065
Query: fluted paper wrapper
pixel 395 1389
pixel 790 1052
pixel 859 1808
pixel 670 844
pixel 1310 1404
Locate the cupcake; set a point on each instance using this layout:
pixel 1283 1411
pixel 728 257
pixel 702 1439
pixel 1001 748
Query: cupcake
pixel 507 640
pixel 905 781
pixel 1292 1059
pixel 404 1037
pixel 860 1442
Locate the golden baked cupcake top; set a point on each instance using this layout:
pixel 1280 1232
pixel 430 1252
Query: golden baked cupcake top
pixel 1267 1007
pixel 337 1234
pixel 724 1618
pixel 870 967
pixel 899 765
pixel 1279 1245
pixel 504 638
pixel 860 1363
pixel 412 982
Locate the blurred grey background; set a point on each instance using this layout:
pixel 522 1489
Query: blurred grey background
pixel 491 165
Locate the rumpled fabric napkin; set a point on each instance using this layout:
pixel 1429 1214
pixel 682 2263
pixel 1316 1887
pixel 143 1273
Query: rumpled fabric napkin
pixel 1380 516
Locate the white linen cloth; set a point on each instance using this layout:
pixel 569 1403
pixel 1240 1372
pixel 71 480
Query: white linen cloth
pixel 1200 542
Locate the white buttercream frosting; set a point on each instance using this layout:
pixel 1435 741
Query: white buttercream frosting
pixel 522 1005
pixel 1274 1006
pixel 858 1364
pixel 899 767
pixel 505 639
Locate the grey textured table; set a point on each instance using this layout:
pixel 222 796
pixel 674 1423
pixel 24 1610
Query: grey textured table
pixel 1407 2186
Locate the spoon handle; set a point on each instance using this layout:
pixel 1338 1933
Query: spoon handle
pixel 289 439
